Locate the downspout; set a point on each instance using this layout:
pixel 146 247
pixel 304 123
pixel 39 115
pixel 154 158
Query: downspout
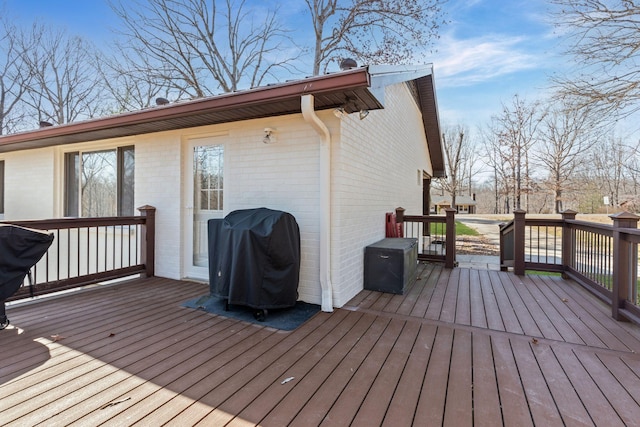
pixel 309 115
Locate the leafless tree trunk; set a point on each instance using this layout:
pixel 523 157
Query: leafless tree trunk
pixel 15 77
pixel 460 158
pixel 372 31
pixel 199 47
pixel 498 163
pixel 567 133
pixel 516 130
pixel 608 159
pixel 65 86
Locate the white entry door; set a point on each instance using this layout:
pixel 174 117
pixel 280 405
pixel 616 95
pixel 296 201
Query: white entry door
pixel 205 189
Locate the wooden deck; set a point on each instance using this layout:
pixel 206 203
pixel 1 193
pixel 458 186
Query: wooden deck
pixel 462 347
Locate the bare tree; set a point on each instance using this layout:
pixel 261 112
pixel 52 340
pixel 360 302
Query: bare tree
pixel 459 154
pixel 499 163
pixel 15 77
pixel 605 41
pixel 130 86
pixel 516 130
pixel 65 85
pixel 373 31
pixel 199 47
pixel 607 167
pixel 567 133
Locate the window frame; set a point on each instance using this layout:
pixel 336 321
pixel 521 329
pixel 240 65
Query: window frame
pixel 72 164
pixel 2 187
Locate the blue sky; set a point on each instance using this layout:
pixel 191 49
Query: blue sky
pixel 491 50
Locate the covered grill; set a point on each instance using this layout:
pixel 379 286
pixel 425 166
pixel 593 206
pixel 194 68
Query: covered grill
pixel 20 249
pixel 254 259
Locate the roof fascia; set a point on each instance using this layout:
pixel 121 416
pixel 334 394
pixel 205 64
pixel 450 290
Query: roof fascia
pixel 345 80
pixel 386 75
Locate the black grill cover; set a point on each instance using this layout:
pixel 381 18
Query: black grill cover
pixel 254 258
pixel 20 249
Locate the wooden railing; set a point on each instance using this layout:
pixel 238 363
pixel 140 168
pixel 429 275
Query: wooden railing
pixel 92 250
pixel 436 235
pixel 603 258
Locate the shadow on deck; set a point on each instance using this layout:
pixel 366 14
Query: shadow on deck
pixel 461 347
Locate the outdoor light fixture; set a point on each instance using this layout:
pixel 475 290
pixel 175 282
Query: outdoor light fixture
pixel 339 112
pixel 269 137
pixel 350 106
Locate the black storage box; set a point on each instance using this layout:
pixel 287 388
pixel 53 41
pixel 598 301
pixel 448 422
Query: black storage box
pixel 390 265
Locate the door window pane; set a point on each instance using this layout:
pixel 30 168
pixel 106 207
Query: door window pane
pixel 208 172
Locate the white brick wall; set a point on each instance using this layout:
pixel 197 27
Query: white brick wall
pixel 159 184
pixel 375 166
pixel 374 170
pixel 283 176
pixel 29 187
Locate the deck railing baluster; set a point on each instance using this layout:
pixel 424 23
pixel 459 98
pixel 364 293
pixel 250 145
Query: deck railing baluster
pixel 88 259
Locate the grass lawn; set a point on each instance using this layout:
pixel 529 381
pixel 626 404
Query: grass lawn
pixel 461 229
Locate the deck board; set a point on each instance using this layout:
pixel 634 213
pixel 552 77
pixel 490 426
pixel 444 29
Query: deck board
pixel 568 402
pixel 509 317
pixel 459 387
pixel 460 347
pixel 486 398
pixel 404 402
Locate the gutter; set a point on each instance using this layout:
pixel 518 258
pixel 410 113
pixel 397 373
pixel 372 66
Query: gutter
pixel 310 116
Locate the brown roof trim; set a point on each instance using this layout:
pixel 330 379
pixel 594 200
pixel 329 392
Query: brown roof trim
pixel 330 91
pixel 431 123
pixel 266 101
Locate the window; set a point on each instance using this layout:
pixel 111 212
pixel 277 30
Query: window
pixel 99 183
pixel 208 164
pixel 1 188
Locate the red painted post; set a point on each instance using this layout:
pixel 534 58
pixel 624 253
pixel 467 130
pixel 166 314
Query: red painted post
pixel 148 239
pixel 450 239
pixel 623 262
pixel 518 241
pixel 399 222
pixel 567 241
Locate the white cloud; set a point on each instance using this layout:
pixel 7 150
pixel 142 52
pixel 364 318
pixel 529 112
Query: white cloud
pixel 465 62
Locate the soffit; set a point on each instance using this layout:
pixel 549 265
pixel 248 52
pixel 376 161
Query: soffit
pixel 329 91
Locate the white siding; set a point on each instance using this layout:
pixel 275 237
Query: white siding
pixel 375 166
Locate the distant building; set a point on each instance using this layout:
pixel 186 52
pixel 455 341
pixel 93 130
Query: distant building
pixel 464 204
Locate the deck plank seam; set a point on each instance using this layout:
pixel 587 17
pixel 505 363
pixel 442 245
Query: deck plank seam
pixel 493 332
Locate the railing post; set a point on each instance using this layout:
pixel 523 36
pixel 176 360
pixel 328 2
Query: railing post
pixel 518 241
pixel 399 221
pixel 148 239
pixel 450 239
pixel 503 242
pixel 567 241
pixel 624 262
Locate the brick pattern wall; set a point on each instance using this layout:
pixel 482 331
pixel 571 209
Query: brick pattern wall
pixel 158 182
pixel 29 187
pixel 376 164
